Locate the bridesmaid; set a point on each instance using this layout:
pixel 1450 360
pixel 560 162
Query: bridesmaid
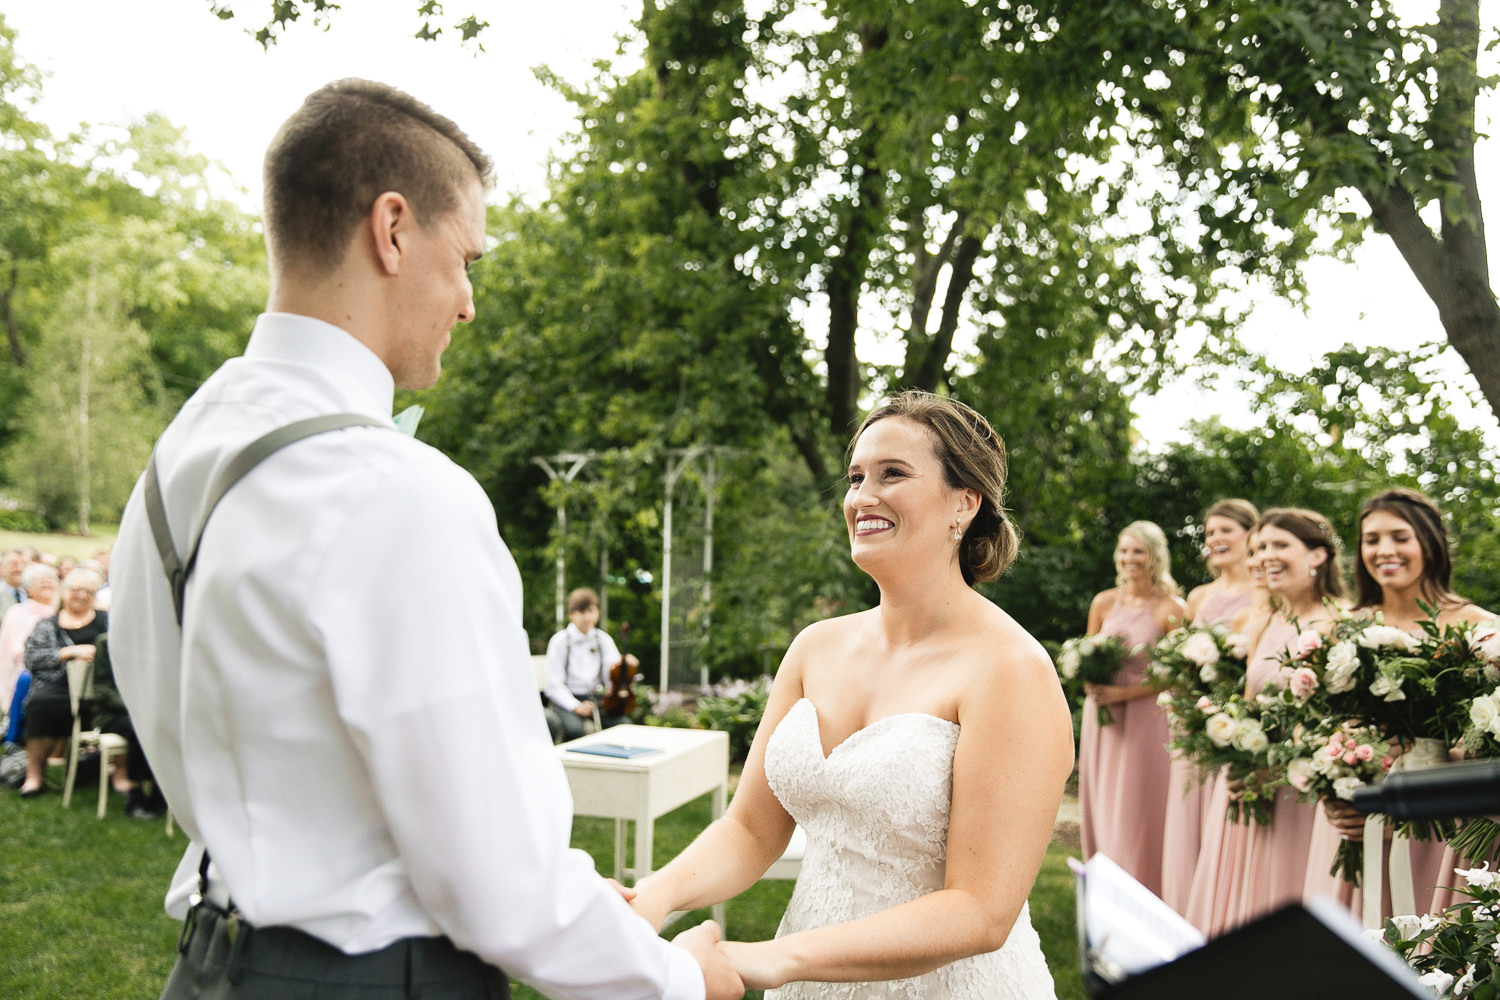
pixel 1403 559
pixel 1254 869
pixel 1226 530
pixel 1123 767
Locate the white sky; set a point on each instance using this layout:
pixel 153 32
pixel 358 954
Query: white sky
pixel 111 61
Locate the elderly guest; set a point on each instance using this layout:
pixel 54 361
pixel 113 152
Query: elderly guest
pixel 40 583
pixel 67 636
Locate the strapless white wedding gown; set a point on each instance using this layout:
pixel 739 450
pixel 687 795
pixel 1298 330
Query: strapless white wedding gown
pixel 875 811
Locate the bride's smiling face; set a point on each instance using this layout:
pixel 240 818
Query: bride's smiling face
pixel 898 500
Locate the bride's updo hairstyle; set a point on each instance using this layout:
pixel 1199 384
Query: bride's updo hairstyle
pixel 973 457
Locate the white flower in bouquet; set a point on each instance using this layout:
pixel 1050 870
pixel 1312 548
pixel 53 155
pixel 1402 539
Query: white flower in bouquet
pixel 1239 645
pixel 1248 736
pixel 1465 982
pixel 1201 649
pixel 1484 641
pixel 1389 637
pixel 1437 980
pixel 1086 646
pixel 1067 661
pixel 1209 674
pixel 1267 697
pixel 1409 925
pixel 1164 700
pixel 1388 689
pixel 1301 772
pixel 1221 729
pixel 1484 712
pixel 1482 877
pixel 1346 786
pixel 1343 664
pixel 1491 673
pixel 1206 704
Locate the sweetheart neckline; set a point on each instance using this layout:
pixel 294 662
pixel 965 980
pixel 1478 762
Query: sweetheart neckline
pixel 818 729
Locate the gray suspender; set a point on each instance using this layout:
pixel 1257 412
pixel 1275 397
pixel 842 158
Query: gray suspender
pixel 178 570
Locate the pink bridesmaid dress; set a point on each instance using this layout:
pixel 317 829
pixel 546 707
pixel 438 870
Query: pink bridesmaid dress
pixel 1250 870
pixel 1188 790
pixel 1123 768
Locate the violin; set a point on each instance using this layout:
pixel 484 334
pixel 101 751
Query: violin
pixel 620 698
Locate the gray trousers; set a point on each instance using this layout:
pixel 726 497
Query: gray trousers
pixel 222 958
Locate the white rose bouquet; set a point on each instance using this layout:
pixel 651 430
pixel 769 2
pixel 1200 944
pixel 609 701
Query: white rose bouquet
pixel 1456 953
pixel 1226 731
pixel 1191 661
pixel 1091 659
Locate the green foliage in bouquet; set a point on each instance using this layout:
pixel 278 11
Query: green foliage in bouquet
pixel 1091 659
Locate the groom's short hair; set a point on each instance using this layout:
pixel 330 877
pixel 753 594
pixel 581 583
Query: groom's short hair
pixel 350 142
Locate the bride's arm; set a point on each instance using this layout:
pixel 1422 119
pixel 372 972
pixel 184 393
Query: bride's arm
pixel 736 849
pixel 1015 751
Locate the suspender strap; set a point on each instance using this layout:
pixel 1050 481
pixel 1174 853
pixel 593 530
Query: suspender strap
pixel 178 570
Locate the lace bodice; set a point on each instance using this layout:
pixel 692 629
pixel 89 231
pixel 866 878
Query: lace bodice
pixel 875 811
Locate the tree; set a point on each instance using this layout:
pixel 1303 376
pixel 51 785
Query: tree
pixel 284 13
pixel 1275 117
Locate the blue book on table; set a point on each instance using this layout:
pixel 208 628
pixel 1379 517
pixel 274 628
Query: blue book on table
pixel 614 750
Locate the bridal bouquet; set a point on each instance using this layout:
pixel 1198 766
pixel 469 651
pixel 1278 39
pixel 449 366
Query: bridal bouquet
pixel 1457 953
pixel 1092 659
pixel 1228 732
pixel 1472 656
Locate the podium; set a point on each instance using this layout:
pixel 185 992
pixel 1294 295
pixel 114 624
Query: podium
pixel 1299 952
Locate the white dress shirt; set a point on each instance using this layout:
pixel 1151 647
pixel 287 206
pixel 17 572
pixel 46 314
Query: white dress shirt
pixel 577 663
pixel 365 763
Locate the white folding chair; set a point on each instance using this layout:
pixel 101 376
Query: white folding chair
pixel 81 686
pixel 789 865
pixel 539 667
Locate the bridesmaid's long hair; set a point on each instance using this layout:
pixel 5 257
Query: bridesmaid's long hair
pixel 1426 521
pixel 1159 557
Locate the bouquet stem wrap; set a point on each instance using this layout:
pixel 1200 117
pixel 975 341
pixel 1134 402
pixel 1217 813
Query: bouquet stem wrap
pixel 1425 753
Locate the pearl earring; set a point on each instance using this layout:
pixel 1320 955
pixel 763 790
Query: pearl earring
pixel 958 532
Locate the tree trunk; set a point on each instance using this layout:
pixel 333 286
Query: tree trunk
pixel 12 330
pixel 1454 268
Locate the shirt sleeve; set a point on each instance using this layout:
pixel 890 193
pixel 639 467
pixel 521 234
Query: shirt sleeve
pixel 557 673
pixel 439 697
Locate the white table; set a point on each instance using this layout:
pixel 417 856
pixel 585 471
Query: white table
pixel 689 763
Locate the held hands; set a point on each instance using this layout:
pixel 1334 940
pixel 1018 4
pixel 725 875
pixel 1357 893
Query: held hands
pixel 754 961
pixel 720 980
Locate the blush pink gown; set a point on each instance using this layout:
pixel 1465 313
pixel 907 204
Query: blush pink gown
pixel 1188 789
pixel 1123 768
pixel 1246 870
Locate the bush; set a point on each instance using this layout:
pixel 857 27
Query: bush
pixel 731 706
pixel 21 520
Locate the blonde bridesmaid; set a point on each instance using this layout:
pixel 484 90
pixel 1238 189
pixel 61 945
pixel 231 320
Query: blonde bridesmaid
pixel 1123 768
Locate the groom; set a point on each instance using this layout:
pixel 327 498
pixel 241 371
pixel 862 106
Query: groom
pixel 371 795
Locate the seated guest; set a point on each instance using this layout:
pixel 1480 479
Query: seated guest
pixel 106 712
pixel 579 660
pixel 54 642
pixel 40 583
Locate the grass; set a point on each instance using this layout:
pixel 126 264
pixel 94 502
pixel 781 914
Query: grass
pixel 81 899
pixel 78 546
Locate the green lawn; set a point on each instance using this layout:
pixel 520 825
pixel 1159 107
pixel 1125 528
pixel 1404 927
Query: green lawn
pixel 81 916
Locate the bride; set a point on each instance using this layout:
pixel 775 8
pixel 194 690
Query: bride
pixel 922 745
